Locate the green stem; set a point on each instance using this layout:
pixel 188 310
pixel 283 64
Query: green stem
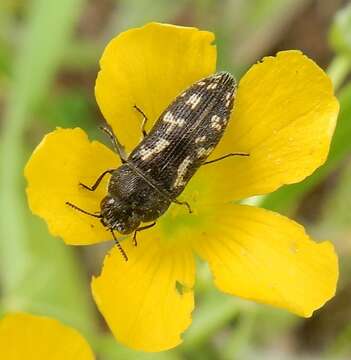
pixel 238 344
pixel 338 69
pixel 12 220
pixel 215 311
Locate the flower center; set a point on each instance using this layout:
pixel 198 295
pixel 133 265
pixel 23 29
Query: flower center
pixel 177 224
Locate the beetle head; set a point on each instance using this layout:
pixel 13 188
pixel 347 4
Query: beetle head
pixel 118 215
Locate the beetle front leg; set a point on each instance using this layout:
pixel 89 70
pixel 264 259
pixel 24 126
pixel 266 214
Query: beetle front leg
pixel 98 181
pixel 141 229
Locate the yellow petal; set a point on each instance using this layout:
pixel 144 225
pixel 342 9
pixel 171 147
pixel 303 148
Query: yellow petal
pixel 64 158
pixel 147 301
pixel 260 255
pixel 24 336
pixel 284 117
pixel 149 67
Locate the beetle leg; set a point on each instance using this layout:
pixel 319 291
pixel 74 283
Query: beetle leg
pixel 117 145
pixel 141 229
pixel 144 120
pixel 97 182
pixel 183 203
pixel 225 156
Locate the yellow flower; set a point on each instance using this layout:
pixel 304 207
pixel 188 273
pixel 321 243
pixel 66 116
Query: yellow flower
pixel 284 117
pixel 29 337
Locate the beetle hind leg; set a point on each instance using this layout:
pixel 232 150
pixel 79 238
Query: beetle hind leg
pixel 224 157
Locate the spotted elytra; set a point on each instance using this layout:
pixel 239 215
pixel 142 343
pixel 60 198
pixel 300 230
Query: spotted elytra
pixel 155 173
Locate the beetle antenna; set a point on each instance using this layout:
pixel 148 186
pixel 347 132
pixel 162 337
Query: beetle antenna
pixel 82 211
pixel 119 246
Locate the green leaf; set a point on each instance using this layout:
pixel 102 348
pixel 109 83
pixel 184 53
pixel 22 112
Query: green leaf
pixel 287 197
pixel 53 284
pixel 38 273
pixel 69 108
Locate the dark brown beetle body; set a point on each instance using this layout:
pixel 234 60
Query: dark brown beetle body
pixel 159 168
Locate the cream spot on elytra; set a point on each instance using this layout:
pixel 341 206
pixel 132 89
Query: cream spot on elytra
pixel 200 139
pixel 211 86
pixel 181 172
pixel 203 152
pixel 160 145
pixel 193 100
pixel 215 119
pixel 172 121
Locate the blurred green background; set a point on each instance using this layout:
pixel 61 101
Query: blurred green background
pixel 49 52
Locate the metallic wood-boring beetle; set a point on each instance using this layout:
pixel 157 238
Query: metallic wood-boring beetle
pixel 158 169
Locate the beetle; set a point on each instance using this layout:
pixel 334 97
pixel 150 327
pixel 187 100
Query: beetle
pixel 156 172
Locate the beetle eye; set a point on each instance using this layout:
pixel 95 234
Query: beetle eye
pixel 120 227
